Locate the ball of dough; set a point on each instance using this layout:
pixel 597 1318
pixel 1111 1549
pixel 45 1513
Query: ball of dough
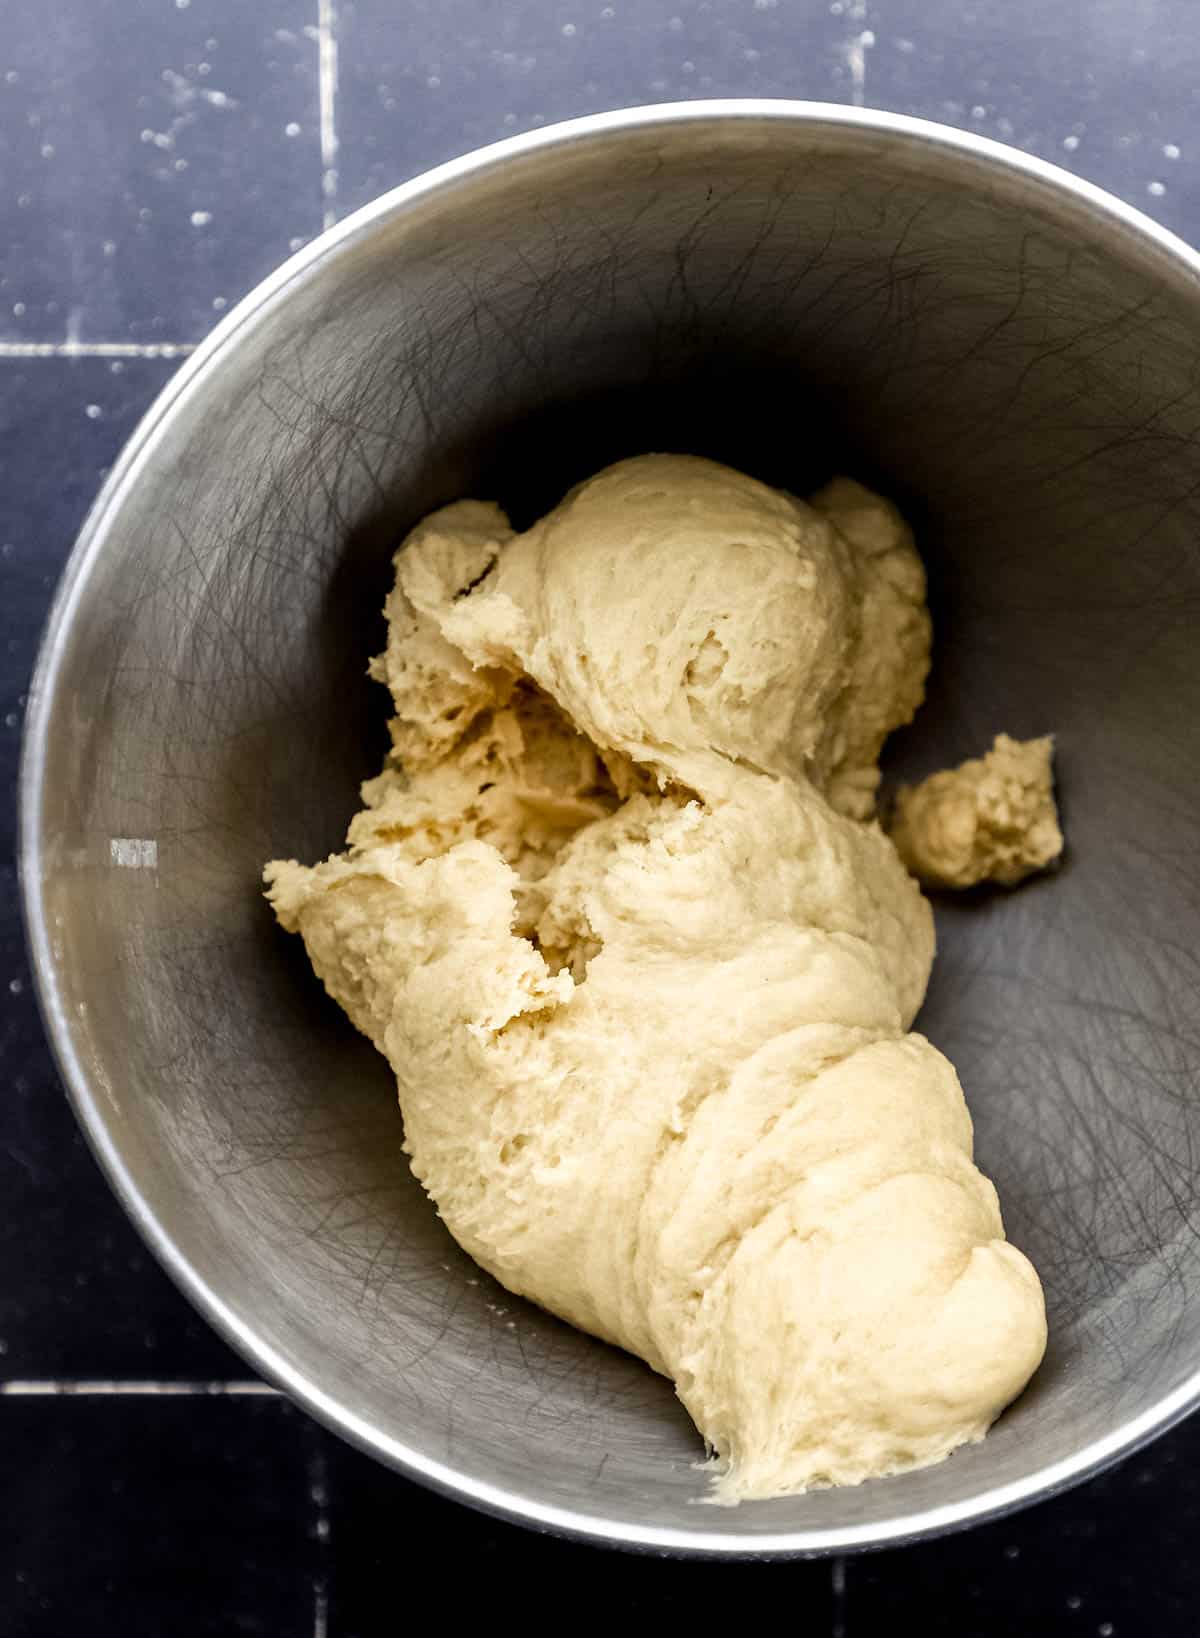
pixel 645 974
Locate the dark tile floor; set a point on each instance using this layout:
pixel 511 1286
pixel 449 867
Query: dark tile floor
pixel 156 158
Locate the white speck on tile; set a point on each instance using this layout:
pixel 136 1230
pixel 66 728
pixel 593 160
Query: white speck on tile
pixel 291 129
pixel 687 68
pixel 675 24
pixel 905 46
pixel 1171 150
pixel 11 77
pixel 182 5
pixel 607 11
pixel 211 45
pixel 201 218
pixel 18 309
pixel 1105 1629
pixel 751 55
pixel 218 99
pixel 296 244
pixel 765 5
pixel 1156 188
pixel 15 986
pixel 204 70
pixel 108 248
pixel 93 411
pixel 24 200
pixel 134 852
pixel 978 111
pixel 433 81
pixel 1070 143
pixel 219 304
pixel 116 367
pixel 10 721
pixel 47 150
pixel 1074 1602
pixel 658 85
pixel 569 31
pixel 181 165
pixel 1012 1552
pixel 164 139
pixel 510 119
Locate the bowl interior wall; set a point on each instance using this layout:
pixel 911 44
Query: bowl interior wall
pixel 797 300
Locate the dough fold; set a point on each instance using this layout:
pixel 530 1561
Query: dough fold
pixel 618 915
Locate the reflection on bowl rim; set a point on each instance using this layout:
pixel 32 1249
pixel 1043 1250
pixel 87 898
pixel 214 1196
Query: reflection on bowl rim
pixel 89 1102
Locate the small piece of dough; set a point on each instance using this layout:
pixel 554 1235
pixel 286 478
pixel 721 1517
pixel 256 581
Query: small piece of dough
pixel 991 819
pixel 644 966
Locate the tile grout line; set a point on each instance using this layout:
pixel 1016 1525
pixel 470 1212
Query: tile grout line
pixel 327 86
pixel 837 1578
pixel 855 50
pixel 96 349
pixel 327 79
pixel 318 1495
pixel 46 1388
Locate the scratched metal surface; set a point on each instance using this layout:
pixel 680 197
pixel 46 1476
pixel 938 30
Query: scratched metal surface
pixel 155 160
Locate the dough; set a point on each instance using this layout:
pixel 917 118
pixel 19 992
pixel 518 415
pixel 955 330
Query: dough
pixel 644 967
pixel 991 819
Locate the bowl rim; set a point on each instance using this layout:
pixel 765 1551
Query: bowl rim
pixel 1177 258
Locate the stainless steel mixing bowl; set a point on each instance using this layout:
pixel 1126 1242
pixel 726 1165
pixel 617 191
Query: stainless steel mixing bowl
pixel 795 289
